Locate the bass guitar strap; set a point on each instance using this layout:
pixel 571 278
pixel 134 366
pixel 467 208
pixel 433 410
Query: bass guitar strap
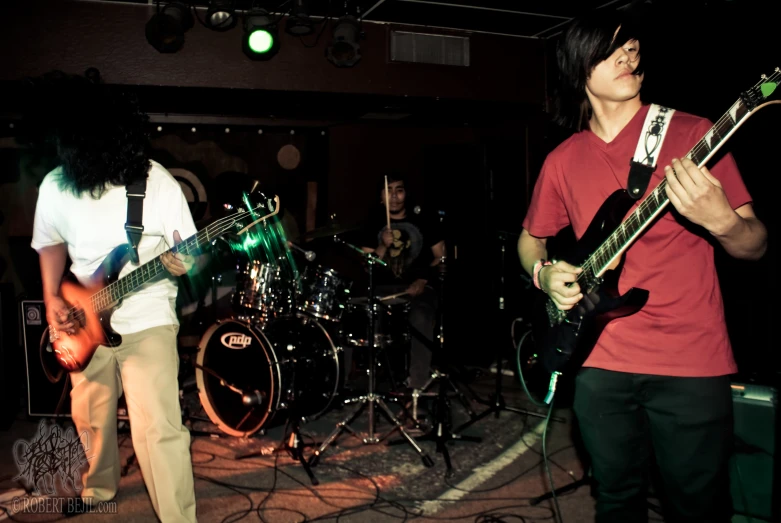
pixel 657 121
pixel 136 191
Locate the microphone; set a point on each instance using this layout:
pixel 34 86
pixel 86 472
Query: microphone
pixel 255 397
pixel 309 255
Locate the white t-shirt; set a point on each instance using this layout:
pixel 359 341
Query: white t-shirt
pixel 93 228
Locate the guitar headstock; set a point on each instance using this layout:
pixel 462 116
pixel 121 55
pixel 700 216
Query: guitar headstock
pixel 760 93
pixel 265 204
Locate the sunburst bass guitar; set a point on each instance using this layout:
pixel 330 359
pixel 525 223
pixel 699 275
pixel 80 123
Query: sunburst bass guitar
pixel 563 339
pixel 92 305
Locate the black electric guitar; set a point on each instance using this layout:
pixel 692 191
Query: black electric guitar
pixel 563 339
pixel 92 305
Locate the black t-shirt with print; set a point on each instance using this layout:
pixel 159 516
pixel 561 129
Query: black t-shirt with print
pixel 409 257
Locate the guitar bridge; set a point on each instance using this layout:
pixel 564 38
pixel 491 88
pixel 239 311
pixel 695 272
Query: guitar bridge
pixel 555 315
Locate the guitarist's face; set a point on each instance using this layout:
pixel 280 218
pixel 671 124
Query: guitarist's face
pixel 612 79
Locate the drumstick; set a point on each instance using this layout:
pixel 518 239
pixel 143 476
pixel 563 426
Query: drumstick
pixel 391 296
pixel 387 205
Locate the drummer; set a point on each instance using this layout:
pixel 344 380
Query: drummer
pixel 412 245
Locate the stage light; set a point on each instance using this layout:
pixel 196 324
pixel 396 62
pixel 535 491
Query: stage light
pixel 299 23
pixel 221 15
pixel 165 30
pixel 345 51
pixel 260 41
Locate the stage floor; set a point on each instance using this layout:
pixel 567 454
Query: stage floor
pixel 493 480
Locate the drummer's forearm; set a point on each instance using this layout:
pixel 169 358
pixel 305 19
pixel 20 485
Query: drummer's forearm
pixel 439 251
pixel 380 251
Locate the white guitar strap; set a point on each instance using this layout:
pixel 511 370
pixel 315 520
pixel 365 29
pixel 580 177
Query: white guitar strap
pixel 657 121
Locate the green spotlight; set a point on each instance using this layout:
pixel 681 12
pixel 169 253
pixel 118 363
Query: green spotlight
pixel 260 40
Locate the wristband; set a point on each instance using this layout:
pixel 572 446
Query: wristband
pixel 538 265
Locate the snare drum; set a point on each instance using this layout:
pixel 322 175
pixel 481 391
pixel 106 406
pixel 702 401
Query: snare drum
pixel 324 293
pixel 390 326
pixel 262 292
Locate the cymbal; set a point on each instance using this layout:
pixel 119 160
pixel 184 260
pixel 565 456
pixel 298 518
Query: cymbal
pixel 329 230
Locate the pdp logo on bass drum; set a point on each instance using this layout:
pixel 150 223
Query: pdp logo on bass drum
pixel 236 340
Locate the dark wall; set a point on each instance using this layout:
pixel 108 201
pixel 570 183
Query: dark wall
pixel 73 36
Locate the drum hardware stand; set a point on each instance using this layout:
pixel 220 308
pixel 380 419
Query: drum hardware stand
pixel 441 432
pixel 293 443
pixel 436 375
pixel 371 397
pixel 496 401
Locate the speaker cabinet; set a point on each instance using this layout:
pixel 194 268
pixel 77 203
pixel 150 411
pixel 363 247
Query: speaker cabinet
pixel 42 395
pixel 10 360
pixel 754 467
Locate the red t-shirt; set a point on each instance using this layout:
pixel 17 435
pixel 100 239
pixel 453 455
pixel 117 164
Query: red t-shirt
pixel 681 329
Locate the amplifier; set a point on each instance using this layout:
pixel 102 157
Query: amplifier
pixel 46 380
pixel 43 393
pixel 755 470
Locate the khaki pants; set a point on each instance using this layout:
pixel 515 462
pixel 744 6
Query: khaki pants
pixel 145 365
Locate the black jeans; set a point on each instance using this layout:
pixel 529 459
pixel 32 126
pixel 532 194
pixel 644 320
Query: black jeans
pixel 422 317
pixel 685 422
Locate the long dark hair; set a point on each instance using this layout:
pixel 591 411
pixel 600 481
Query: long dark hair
pixel 97 132
pixel 586 42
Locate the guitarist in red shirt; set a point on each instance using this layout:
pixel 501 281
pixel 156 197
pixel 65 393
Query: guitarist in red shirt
pixel 655 382
pixel 81 214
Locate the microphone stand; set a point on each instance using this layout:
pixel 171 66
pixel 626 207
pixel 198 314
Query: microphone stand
pixel 496 402
pixel 370 399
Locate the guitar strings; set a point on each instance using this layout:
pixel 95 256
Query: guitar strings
pixel 197 237
pixel 658 193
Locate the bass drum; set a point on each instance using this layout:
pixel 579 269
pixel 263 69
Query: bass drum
pixel 292 367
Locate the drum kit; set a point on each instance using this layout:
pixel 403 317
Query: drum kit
pixel 278 357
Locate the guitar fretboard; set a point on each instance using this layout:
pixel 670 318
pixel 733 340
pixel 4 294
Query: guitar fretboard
pixel 599 261
pixel 112 293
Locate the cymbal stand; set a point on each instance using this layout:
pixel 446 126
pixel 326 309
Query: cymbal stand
pixel 441 432
pixel 371 398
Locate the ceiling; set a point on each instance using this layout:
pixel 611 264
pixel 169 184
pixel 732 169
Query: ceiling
pixel 540 19
pixel 519 18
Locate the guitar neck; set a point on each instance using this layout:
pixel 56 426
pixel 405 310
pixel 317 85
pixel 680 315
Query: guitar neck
pixel 147 272
pixel 645 213
pixel 115 291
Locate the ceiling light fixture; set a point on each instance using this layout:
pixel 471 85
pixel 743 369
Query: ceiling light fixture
pixel 165 30
pixel 344 50
pixel 261 38
pixel 221 15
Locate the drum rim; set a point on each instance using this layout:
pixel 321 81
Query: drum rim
pixel 307 310
pixel 363 302
pixel 201 384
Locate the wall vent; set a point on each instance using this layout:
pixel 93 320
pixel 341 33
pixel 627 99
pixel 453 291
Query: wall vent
pixel 423 48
